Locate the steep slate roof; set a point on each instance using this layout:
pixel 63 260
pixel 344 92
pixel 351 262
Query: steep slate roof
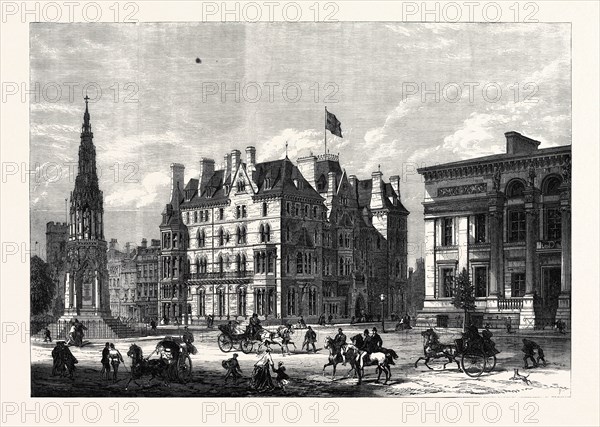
pixel 365 190
pixel 281 173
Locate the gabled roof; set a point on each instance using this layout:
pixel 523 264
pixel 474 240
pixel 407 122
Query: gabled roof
pixel 274 177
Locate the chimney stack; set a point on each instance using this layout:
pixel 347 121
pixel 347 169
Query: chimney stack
pixel 395 182
pixel 144 243
pixel 226 166
pixel 376 190
pixel 520 144
pixel 235 162
pixel 207 169
pixel 177 174
pixel 250 159
pixel 331 187
pixel 307 167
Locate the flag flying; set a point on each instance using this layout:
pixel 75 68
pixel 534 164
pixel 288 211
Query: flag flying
pixel 333 125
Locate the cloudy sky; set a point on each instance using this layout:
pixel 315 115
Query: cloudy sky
pixel 407 95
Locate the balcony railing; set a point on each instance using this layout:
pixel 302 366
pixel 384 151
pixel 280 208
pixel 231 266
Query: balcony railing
pixel 222 275
pixel 548 244
pixel 510 303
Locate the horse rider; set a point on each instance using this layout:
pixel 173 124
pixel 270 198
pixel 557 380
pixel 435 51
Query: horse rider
pixel 310 337
pixel 188 339
pixel 375 343
pixel 359 341
pixel 340 342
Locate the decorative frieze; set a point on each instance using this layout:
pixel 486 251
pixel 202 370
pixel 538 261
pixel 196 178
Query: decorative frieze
pixel 461 190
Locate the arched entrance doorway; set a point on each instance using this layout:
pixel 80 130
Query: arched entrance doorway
pixel 360 306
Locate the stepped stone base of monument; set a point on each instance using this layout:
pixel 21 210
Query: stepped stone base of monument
pixel 99 326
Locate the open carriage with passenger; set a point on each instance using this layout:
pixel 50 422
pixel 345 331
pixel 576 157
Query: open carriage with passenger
pixel 231 336
pixel 172 364
pixel 473 353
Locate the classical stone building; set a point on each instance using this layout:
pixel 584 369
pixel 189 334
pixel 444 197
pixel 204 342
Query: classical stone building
pixel 506 219
pixel 281 240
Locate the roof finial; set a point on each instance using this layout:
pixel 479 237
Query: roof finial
pixel 379 167
pixel 286 149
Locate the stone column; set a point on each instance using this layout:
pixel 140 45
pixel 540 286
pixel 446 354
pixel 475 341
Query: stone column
pixel 564 300
pixel 495 232
pixel 531 238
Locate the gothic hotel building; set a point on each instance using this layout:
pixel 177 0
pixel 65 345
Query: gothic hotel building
pixel 281 240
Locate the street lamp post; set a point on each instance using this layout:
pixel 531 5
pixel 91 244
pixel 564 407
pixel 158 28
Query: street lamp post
pixel 382 298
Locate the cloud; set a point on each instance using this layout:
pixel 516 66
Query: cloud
pixel 137 195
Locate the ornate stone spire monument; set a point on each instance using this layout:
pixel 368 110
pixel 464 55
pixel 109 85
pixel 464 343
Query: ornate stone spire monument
pixel 86 287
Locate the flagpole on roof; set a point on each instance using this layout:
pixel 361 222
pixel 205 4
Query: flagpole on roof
pixel 325 128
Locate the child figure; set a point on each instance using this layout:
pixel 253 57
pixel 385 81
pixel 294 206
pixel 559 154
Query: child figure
pixel 233 368
pixel 282 378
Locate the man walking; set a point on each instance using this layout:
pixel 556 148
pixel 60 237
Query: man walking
pixel 310 337
pixel 115 360
pixel 105 362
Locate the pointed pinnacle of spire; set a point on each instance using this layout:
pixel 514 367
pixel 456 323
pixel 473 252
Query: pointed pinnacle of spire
pixel 86 128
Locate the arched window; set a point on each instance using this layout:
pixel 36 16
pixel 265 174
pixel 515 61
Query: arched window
pixel 221 237
pixel 238 263
pixel 244 233
pixel 220 264
pixel 312 301
pixel 197 264
pixel 243 263
pixel 291 302
pixel 551 186
pixel 515 188
pixel 195 216
pixel 264 209
pixel 201 301
pixel 299 263
pixel 341 266
pixel 221 302
pixel 201 237
pixel 241 301
pixel 261 232
pixel 267 233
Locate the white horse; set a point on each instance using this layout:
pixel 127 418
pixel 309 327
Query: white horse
pixel 381 359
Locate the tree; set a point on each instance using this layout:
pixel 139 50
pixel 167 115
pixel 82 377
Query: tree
pixel 463 296
pixel 42 287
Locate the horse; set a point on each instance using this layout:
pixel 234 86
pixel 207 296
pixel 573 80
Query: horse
pixel 141 367
pixel 335 357
pixel 433 349
pixel 382 359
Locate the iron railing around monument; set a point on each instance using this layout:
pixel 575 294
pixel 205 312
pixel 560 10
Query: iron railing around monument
pixel 100 329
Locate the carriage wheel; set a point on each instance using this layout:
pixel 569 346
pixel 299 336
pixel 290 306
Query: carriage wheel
pixel 225 343
pixel 246 346
pixel 490 363
pixel 184 368
pixel 473 364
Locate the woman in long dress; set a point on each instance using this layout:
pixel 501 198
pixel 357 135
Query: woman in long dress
pixel 261 376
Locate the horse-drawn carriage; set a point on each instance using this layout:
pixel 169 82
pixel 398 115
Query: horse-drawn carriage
pixel 230 338
pixel 172 364
pixel 473 354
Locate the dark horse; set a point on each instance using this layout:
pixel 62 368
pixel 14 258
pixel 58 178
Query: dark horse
pixel 141 367
pixel 336 358
pixel 433 349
